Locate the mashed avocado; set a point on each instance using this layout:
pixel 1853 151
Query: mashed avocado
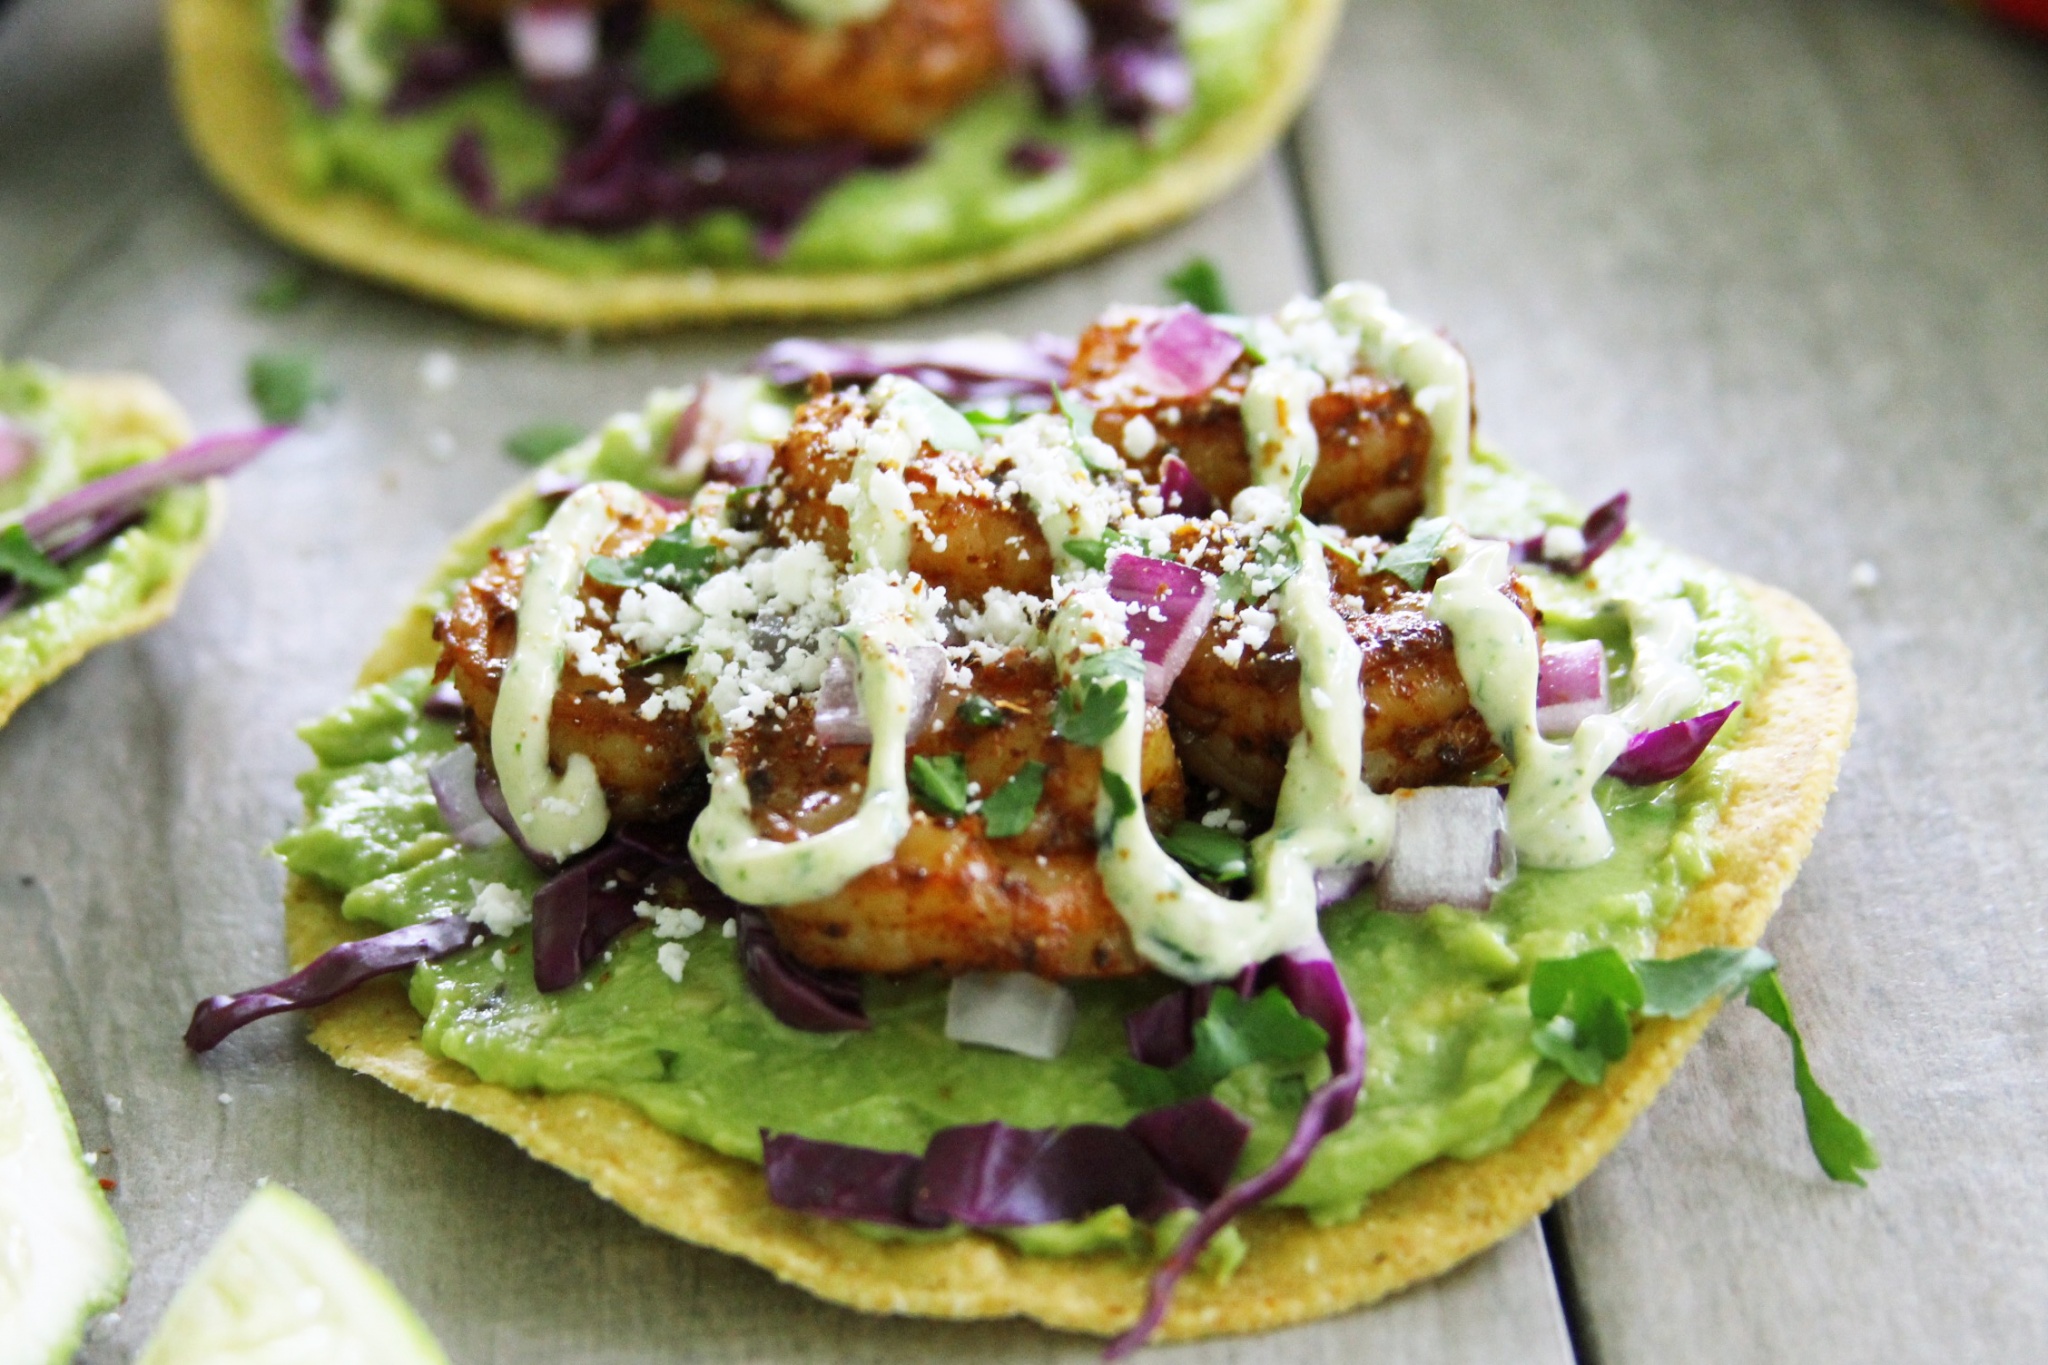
pixel 960 197
pixel 1443 994
pixel 109 585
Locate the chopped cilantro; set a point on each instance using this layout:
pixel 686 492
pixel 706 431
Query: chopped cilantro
pixel 1219 856
pixel 1582 1006
pixel 1095 553
pixel 979 711
pixel 1412 559
pixel 1199 282
pixel 941 782
pixel 673 59
pixel 541 441
pixel 1123 802
pixel 1090 711
pixel 1235 1032
pixel 1839 1143
pixel 23 560
pixel 673 559
pixel 1009 812
pixel 1078 414
pixel 286 387
pixel 284 291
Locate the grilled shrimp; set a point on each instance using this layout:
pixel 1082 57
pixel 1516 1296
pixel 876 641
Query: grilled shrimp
pixel 1233 721
pixel 968 538
pixel 1374 441
pixel 648 768
pixel 953 898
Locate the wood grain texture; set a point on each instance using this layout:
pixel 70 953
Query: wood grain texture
pixel 1781 268
pixel 140 791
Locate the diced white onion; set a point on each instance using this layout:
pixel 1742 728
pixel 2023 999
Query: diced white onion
pixel 1451 847
pixel 453 778
pixel 553 42
pixel 1014 1011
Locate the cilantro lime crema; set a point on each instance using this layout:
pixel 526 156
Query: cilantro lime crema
pixel 54 440
pixel 1444 994
pixel 473 156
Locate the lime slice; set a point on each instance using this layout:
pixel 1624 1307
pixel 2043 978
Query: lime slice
pixel 62 1255
pixel 281 1287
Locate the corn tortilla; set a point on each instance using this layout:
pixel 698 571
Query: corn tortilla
pixel 1784 764
pixel 236 116
pixel 122 407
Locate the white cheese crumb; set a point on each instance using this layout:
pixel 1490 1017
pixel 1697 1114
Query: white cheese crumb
pixel 671 921
pixel 498 958
pixel 1140 436
pixel 1563 544
pixel 671 959
pixel 1863 575
pixel 438 371
pixel 500 909
pixel 1216 819
pixel 113 1103
pixel 731 929
pixel 225 1098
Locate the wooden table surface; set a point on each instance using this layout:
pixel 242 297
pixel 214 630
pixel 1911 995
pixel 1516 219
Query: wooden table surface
pixel 1780 267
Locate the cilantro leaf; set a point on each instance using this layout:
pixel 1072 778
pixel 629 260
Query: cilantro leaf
pixel 1123 662
pixel 542 441
pixel 674 559
pixel 283 292
pixel 285 387
pixel 1235 1032
pixel 23 560
pixel 1584 1003
pixel 1412 559
pixel 1200 283
pixel 1839 1143
pixel 1123 802
pixel 941 782
pixel 1090 711
pixel 979 711
pixel 1215 854
pixel 1009 812
pixel 1676 987
pixel 1093 553
pixel 673 59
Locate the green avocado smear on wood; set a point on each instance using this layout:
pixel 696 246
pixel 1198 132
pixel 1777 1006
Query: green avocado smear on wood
pixel 105 587
pixel 961 196
pixel 1444 995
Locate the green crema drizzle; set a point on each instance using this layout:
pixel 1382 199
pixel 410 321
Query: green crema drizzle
pixel 1444 995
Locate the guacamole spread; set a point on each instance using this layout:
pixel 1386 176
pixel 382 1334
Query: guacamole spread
pixel 1443 994
pixel 964 191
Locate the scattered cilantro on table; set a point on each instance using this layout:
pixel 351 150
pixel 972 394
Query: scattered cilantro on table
pixel 285 386
pixel 542 441
pixel 1200 283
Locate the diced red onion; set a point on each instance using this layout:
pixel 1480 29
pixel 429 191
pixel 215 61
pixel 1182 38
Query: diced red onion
pixel 1050 40
pixel 329 976
pixel 1034 157
pixel 468 167
pixel 958 369
pixel 552 42
pixel 743 464
pixel 302 43
pixel 1334 884
pixel 17 450
pixel 1140 82
pixel 1669 750
pixel 838 715
pixel 802 997
pixel 1571 684
pixel 1169 606
pixel 1183 354
pixel 554 483
pixel 128 490
pixel 1181 491
pixel 1599 533
pixel 1014 1011
pixel 1309 979
pixel 443 703
pixel 453 778
pixel 1451 847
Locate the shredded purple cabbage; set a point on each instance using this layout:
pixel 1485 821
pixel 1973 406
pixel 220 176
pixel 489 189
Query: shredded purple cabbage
pixel 833 1180
pixel 1601 530
pixel 127 491
pixel 17 449
pixel 1034 157
pixel 302 43
pixel 582 908
pixel 334 973
pixel 802 997
pixel 1163 1033
pixel 468 167
pixel 434 71
pixel 1127 53
pixel 493 796
pixel 957 369
pixel 1669 750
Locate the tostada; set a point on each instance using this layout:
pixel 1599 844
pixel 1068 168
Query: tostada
pixel 1158 832
pixel 106 505
pixel 632 163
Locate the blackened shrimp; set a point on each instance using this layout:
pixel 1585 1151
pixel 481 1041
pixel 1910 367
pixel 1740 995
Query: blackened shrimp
pixel 649 768
pixel 1374 442
pixel 953 898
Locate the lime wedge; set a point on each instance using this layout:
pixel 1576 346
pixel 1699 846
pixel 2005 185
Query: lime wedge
pixel 62 1255
pixel 281 1287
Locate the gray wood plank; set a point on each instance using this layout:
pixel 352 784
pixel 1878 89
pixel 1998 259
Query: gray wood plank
pixel 1782 270
pixel 161 768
